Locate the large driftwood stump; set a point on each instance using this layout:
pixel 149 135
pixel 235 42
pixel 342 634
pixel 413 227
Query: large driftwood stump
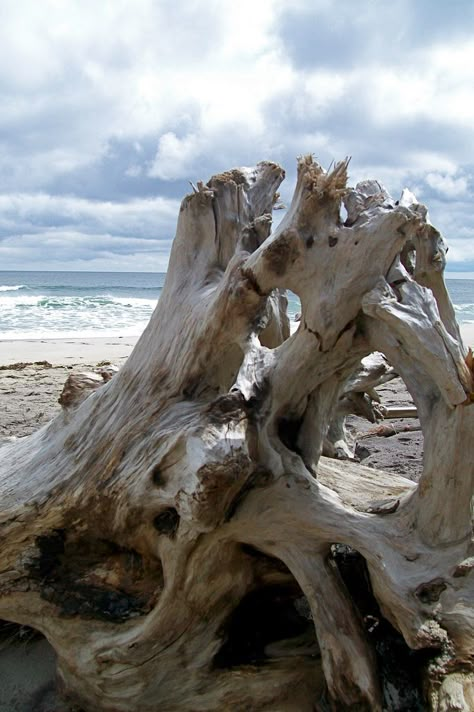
pixel 175 510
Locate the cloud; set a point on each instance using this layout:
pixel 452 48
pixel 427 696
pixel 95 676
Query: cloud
pixel 59 232
pixel 176 156
pixel 144 218
pixel 59 249
pixel 341 35
pixel 110 108
pixel 448 185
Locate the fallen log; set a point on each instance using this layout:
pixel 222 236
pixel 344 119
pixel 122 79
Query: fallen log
pixel 173 510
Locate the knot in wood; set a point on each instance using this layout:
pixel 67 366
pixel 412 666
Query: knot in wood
pixel 167 522
pixel 431 591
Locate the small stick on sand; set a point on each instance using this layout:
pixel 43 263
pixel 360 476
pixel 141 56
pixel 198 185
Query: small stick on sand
pixel 386 431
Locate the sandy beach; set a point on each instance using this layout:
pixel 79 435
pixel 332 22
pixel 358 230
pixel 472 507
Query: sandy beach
pixel 66 352
pixel 89 351
pixel 33 372
pixel 467 331
pixel 32 375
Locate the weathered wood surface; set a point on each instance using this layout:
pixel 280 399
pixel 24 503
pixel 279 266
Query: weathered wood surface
pixel 141 526
pixel 408 411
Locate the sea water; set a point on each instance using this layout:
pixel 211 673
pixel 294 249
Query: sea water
pixel 36 305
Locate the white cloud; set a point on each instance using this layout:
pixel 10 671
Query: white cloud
pixel 61 249
pixel 65 232
pixel 448 185
pixel 144 217
pixel 127 101
pixel 175 156
pixel 462 249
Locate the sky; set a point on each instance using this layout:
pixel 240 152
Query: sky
pixel 108 109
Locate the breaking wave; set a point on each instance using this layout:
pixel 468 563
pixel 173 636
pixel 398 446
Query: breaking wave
pixel 12 288
pixel 54 315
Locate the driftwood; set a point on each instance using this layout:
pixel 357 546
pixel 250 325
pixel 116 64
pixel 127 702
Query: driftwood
pixel 386 431
pixel 172 511
pixel 408 411
pixel 358 397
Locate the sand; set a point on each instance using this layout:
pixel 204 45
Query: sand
pixel 29 393
pixel 467 331
pixel 32 375
pixel 71 352
pixel 29 398
pixel 66 352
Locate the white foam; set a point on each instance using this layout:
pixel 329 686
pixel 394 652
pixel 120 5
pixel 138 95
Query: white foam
pixel 20 301
pixel 29 316
pixel 45 301
pixel 44 334
pixel 12 287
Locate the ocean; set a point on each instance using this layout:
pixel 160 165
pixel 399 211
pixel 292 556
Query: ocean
pixel 41 305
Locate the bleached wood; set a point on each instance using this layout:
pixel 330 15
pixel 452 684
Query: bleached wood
pixel 159 501
pixel 408 411
pixel 358 397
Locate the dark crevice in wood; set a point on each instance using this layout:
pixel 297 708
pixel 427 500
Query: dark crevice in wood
pixel 93 578
pixel 347 327
pixel 395 285
pixel 288 431
pixel 192 387
pixel 312 331
pixel 400 668
pixel 157 477
pixel 431 591
pixel 260 477
pixel 260 556
pixel 251 279
pixel 94 602
pixel 263 617
pixel 167 522
pixel 15 632
pixel 216 219
pixel 228 407
pixel 50 547
pixel 260 392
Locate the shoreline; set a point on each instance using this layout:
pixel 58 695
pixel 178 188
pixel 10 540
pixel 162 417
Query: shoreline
pixel 67 351
pixel 91 350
